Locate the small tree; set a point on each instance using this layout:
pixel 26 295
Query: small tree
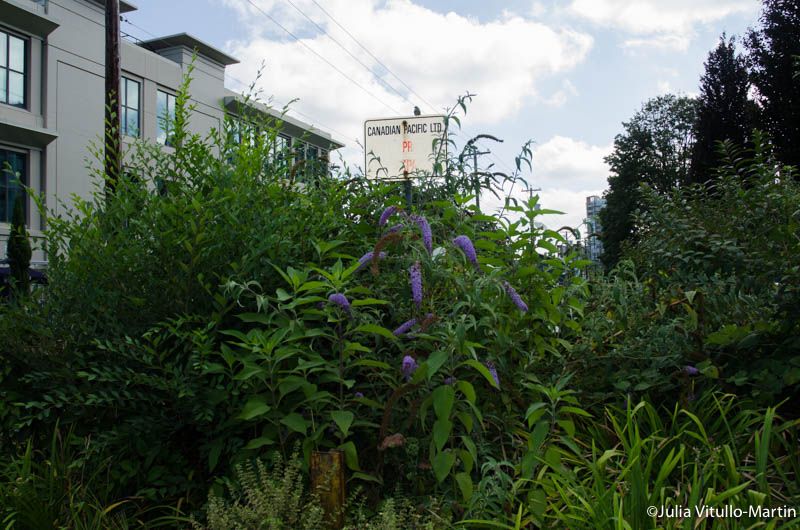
pixel 19 248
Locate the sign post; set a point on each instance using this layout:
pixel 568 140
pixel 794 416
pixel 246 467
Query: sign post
pixel 404 148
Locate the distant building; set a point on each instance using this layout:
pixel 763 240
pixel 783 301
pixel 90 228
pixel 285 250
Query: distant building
pixel 594 246
pixel 52 98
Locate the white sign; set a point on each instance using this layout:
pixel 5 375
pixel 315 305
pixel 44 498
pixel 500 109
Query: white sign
pixel 400 148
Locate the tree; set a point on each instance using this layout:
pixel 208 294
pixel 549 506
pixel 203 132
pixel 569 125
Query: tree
pixel 19 248
pixel 772 51
pixel 653 150
pixel 724 111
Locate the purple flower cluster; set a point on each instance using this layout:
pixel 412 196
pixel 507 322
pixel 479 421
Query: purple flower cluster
pixel 387 213
pixel 415 279
pixel 450 380
pixel 367 258
pixel 340 300
pixel 512 293
pixel 409 367
pixel 395 228
pixel 405 327
pixel 691 370
pixel 425 230
pixel 493 370
pixel 465 244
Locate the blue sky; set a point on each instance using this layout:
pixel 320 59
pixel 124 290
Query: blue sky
pixel 562 73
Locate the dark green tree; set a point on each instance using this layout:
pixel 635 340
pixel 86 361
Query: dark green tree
pixel 724 111
pixel 19 248
pixel 654 150
pixel 772 51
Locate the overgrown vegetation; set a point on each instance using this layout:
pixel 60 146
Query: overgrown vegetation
pixel 225 313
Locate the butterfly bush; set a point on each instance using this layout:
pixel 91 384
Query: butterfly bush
pixel 425 230
pixel 512 293
pixel 493 370
pixel 368 257
pixel 409 367
pixel 466 246
pixel 415 279
pixel 395 228
pixel 340 300
pixel 405 327
pixel 387 213
pixel 691 370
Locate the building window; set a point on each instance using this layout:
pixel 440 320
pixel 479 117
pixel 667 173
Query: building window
pixel 12 171
pixel 165 111
pixel 129 107
pixel 13 59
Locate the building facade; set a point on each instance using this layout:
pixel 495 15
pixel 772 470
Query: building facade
pixel 52 97
pixel 594 246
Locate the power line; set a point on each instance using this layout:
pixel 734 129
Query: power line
pixel 411 90
pixel 376 98
pixel 242 83
pixel 340 45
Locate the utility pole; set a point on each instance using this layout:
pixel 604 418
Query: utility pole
pixel 113 134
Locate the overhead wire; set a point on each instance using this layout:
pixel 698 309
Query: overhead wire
pixel 239 81
pixel 329 63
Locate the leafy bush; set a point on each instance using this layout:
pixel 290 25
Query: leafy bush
pixel 712 288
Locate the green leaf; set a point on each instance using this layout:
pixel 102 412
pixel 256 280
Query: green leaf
pixel 350 455
pixel 441 432
pixel 255 443
pixel 378 330
pixel 443 399
pixel 465 485
pixel 442 463
pixel 367 477
pixel 255 407
pixel 254 318
pixel 467 389
pixel 482 370
pixel 368 301
pixel 344 419
pixel 295 422
pixel 435 361
pixel 249 370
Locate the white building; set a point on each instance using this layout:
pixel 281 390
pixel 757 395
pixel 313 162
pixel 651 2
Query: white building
pixel 52 84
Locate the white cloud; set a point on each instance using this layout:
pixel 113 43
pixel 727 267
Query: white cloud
pixel 663 24
pixel 664 87
pixel 669 42
pixel 561 96
pixel 566 171
pixel 440 55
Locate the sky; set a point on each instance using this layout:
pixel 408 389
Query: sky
pixel 562 73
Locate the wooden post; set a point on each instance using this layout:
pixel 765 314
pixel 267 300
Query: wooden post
pixel 113 133
pixel 327 481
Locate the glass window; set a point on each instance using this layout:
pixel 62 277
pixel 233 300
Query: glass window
pixel 129 107
pixel 165 112
pixel 13 59
pixel 12 171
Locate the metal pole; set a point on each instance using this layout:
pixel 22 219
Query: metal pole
pixel 475 178
pixel 407 185
pixel 113 139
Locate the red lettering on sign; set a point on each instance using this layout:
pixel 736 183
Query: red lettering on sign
pixel 407 146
